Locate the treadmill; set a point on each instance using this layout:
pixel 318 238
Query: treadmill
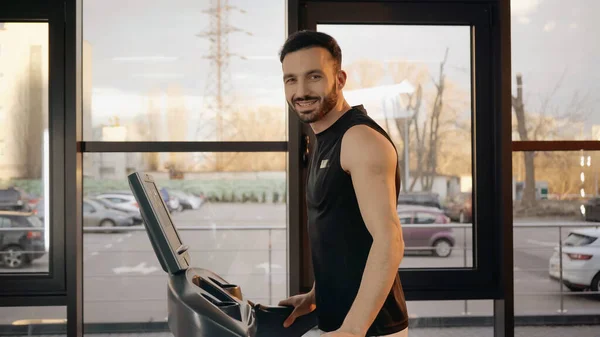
pixel 200 302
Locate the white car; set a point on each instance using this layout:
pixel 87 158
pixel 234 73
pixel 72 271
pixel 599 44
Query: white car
pixel 125 201
pixel 187 200
pixel 174 204
pixel 580 262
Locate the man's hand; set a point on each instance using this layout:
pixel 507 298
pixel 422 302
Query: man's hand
pixel 303 304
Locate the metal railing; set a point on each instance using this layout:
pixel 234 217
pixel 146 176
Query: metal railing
pixel 560 245
pixel 464 247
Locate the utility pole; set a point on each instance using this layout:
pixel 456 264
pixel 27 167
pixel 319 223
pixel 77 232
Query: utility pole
pixel 218 84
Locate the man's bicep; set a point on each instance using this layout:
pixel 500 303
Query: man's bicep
pixel 372 166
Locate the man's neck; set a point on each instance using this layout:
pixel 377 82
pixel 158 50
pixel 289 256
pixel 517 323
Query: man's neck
pixel 331 117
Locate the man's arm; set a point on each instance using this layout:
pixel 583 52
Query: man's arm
pixel 371 161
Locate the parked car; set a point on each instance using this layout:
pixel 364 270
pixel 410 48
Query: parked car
pixel 96 214
pixel 459 207
pixel 580 260
pixel 420 199
pixel 433 233
pixel 125 201
pixel 171 200
pixel 21 239
pixel 592 210
pixel 40 209
pixel 126 198
pixel 14 199
pixel 137 217
pixel 187 200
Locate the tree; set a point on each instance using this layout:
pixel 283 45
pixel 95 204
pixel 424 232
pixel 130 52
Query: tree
pixel 551 121
pixel 519 108
pixel 151 126
pixel 414 74
pixel 428 170
pixel 439 144
pixel 364 73
pixel 434 129
pixel 177 125
pixel 29 117
pixel 264 123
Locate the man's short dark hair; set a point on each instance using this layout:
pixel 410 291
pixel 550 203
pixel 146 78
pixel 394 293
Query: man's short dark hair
pixel 307 39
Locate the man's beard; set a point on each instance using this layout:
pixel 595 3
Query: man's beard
pixel 325 105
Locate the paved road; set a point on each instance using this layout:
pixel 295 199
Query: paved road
pixel 124 281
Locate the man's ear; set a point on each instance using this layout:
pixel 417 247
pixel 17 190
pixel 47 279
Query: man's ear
pixel 341 78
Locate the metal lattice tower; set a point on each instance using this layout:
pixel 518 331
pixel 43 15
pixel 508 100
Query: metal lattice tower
pixel 218 83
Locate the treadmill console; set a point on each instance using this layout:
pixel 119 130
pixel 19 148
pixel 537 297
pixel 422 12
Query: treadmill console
pixel 200 302
pixel 165 239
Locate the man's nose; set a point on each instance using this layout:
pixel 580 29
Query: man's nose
pixel 301 89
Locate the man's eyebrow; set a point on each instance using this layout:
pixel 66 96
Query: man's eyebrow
pixel 312 71
pixel 319 71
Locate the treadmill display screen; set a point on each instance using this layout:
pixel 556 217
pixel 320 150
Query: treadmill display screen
pixel 163 216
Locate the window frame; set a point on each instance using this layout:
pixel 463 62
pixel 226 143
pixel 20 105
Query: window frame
pixel 478 282
pixel 27 289
pixel 76 147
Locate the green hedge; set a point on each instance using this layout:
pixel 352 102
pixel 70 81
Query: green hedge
pixel 225 190
pixel 33 187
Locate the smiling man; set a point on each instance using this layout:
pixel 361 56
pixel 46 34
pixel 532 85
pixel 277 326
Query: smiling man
pixel 355 233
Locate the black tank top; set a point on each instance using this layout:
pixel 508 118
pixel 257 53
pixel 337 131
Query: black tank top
pixel 339 239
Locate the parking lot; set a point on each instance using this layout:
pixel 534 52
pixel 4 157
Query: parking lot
pixel 123 281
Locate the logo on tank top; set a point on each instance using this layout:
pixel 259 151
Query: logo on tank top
pixel 324 163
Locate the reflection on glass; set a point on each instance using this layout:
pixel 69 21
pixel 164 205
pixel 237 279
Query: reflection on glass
pixel 553 62
pixel 419 91
pixel 234 222
pixel 556 237
pixel 24 149
pixel 26 319
pixel 207 72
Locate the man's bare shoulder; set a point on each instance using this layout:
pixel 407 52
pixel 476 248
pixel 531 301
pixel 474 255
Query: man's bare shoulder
pixel 362 144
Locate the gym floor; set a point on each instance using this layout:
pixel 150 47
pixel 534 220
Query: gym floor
pixel 579 331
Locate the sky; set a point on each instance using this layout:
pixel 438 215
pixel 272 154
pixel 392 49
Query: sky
pixel 554 45
pixel 139 45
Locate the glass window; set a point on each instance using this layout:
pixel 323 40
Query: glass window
pixel 24 146
pixel 195 71
pixel 407 88
pixel 554 91
pixel 558 206
pixel 578 240
pixel 426 218
pixel 234 222
pixel 405 217
pixel 34 221
pixel 87 208
pixel 23 321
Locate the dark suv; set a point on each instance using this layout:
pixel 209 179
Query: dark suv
pixel 460 207
pixel 21 238
pixel 420 199
pixel 14 199
pixel 592 210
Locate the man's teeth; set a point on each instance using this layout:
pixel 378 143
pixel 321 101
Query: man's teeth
pixel 307 103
